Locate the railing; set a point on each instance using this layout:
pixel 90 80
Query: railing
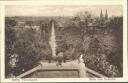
pixel 94 73
pixel 70 65
pixel 89 71
pixel 28 72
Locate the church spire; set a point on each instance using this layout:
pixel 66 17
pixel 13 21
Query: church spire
pixel 106 15
pixel 101 15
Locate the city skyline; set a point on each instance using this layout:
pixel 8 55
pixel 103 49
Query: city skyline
pixel 61 10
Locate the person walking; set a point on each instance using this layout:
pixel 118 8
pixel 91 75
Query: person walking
pixel 59 59
pixel 64 58
pixel 49 57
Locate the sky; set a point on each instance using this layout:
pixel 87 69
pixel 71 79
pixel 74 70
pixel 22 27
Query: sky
pixel 61 10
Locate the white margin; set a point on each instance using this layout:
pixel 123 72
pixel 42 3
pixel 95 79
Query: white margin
pixel 65 2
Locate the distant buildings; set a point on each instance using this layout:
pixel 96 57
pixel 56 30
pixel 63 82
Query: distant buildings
pixel 98 25
pixel 28 25
pixel 103 18
pixel 91 24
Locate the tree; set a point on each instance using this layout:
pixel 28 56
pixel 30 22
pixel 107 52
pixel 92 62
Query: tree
pixel 10 23
pixel 83 19
pixel 116 57
pixel 10 38
pixel 27 47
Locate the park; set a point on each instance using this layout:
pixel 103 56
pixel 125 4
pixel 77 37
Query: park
pixel 78 46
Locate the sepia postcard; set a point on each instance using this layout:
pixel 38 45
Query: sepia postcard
pixel 63 41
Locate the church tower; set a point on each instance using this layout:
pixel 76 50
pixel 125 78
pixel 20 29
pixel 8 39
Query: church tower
pixel 106 15
pixel 101 15
pixel 101 18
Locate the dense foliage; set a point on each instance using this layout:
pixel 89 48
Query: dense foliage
pixel 27 44
pixel 102 48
